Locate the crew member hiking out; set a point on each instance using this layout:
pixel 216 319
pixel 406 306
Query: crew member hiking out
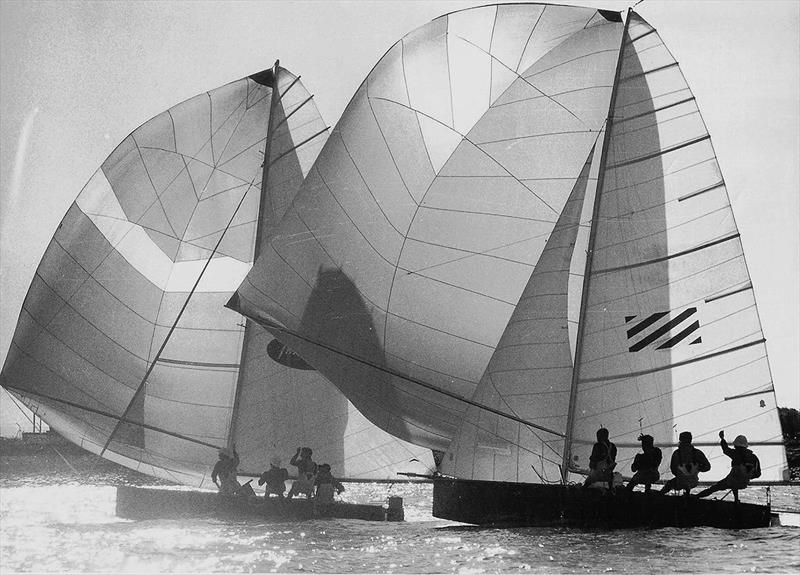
pixel 645 465
pixel 224 474
pixel 686 463
pixel 744 467
pixel 602 460
pixel 326 484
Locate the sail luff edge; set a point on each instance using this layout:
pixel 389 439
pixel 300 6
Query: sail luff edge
pixel 567 451
pixel 262 208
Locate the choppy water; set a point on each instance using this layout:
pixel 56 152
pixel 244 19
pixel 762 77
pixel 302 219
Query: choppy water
pixel 48 526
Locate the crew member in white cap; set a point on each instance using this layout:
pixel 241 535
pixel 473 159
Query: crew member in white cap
pixel 744 467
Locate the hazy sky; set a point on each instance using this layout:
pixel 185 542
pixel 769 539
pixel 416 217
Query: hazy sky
pixel 77 77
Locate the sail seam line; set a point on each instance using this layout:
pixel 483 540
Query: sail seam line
pixel 174 325
pixel 477 147
pixel 488 214
pixel 575 59
pixel 531 136
pixel 496 105
pixel 672 365
pixel 523 78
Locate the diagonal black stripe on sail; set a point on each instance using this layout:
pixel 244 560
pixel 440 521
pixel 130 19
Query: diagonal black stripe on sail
pixel 662 330
pixel 681 336
pixel 646 323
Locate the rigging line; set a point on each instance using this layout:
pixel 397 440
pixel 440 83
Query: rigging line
pixel 266 211
pixel 566 463
pixel 61 379
pixel 292 333
pixel 519 446
pixel 18 406
pixel 521 77
pixel 112 416
pixel 172 329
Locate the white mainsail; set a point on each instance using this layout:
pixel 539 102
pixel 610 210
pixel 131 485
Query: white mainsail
pixel 409 244
pixel 103 350
pixel 669 339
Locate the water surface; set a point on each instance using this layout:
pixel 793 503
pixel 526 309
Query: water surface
pixel 51 525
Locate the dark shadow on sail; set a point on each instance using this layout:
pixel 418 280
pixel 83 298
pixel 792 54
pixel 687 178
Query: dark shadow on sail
pixel 630 319
pixel 339 338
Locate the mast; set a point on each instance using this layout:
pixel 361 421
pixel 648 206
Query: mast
pixel 567 452
pixel 262 215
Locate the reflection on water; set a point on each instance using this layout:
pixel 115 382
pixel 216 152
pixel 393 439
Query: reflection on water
pixel 54 528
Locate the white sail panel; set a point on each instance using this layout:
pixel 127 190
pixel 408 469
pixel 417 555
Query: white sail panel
pixel 282 403
pixel 386 276
pixel 529 375
pixel 672 340
pixel 120 278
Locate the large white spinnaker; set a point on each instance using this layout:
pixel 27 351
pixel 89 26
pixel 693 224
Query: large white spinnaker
pixel 530 373
pixel 405 252
pixel 102 350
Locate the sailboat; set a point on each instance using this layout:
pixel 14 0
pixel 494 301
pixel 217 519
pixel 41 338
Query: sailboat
pixel 518 233
pixel 123 344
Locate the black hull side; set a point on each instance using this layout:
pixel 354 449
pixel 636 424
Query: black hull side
pixel 149 503
pixel 523 504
